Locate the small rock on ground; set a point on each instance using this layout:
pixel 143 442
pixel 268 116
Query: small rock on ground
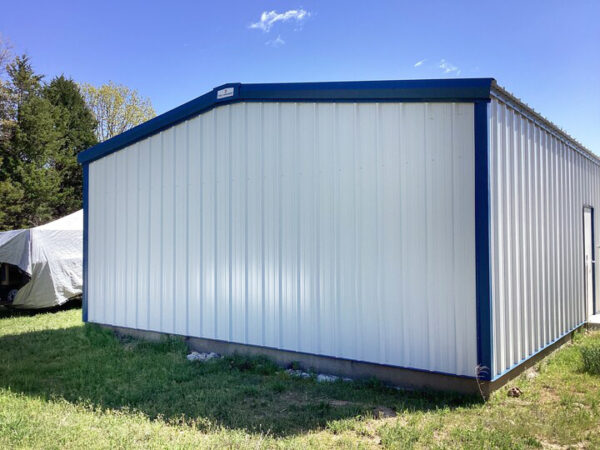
pixel 195 356
pixel 514 392
pixel 382 412
pixel 323 378
pixel 297 373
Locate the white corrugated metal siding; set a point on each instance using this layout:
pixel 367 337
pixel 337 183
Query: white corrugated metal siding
pixel 344 230
pixel 539 186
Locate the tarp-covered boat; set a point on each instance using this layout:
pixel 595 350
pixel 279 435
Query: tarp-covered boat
pixel 42 267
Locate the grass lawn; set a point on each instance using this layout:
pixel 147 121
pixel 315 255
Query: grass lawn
pixel 66 385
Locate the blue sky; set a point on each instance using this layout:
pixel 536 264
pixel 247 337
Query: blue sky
pixel 545 52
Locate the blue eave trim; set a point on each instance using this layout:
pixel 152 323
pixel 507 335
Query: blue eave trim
pixel 86 187
pixel 482 243
pixel 446 90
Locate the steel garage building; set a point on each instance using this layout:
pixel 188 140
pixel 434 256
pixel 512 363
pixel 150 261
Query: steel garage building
pixel 427 232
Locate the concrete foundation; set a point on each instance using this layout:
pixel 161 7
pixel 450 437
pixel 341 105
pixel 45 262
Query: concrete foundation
pixel 594 322
pixel 396 376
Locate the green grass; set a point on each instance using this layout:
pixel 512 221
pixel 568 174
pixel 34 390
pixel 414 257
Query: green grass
pixel 66 385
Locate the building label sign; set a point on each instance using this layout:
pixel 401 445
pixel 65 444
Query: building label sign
pixel 224 93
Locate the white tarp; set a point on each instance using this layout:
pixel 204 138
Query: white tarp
pixel 52 255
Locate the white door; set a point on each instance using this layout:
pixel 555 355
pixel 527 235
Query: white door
pixel 588 255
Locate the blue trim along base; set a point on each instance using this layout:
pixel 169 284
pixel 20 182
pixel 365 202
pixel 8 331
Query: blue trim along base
pixel 86 187
pixel 539 350
pixel 483 293
pixel 445 90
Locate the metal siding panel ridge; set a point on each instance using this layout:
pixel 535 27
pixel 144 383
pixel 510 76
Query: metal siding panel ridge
pixel 132 227
pixel 143 234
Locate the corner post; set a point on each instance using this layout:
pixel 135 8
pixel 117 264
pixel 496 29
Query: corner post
pixel 482 243
pixel 86 184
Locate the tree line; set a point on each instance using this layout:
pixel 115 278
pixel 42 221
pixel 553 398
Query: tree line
pixel 43 126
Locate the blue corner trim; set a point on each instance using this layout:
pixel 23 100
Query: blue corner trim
pixel 445 90
pixel 594 306
pixel 84 307
pixel 482 243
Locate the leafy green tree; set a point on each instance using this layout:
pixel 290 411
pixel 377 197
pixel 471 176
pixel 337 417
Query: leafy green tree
pixel 117 108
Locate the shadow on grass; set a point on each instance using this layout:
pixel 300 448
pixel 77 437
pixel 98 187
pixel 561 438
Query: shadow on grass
pixel 7 312
pixel 89 365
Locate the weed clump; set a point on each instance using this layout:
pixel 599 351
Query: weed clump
pixel 254 364
pixel 591 358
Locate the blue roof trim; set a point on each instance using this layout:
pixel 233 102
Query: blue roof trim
pixel 446 90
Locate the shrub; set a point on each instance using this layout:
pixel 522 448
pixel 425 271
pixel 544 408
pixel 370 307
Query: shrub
pixel 591 359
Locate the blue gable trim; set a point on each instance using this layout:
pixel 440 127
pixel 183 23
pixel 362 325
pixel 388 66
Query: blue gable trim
pixel 447 90
pixel 482 243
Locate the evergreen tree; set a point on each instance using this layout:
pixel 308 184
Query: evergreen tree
pixel 29 179
pixel 76 125
pixel 11 199
pixel 35 147
pixel 43 128
pixel 24 83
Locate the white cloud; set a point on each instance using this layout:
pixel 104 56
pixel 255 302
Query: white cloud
pixel 448 67
pixel 277 42
pixel 269 18
pixel 420 63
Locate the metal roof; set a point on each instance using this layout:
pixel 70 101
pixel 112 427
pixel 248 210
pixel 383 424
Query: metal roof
pixel 519 105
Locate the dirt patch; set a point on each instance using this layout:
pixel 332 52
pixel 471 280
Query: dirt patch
pixel 339 403
pixel 548 395
pixel 129 346
pixel 531 373
pixel 293 398
pixel 549 445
